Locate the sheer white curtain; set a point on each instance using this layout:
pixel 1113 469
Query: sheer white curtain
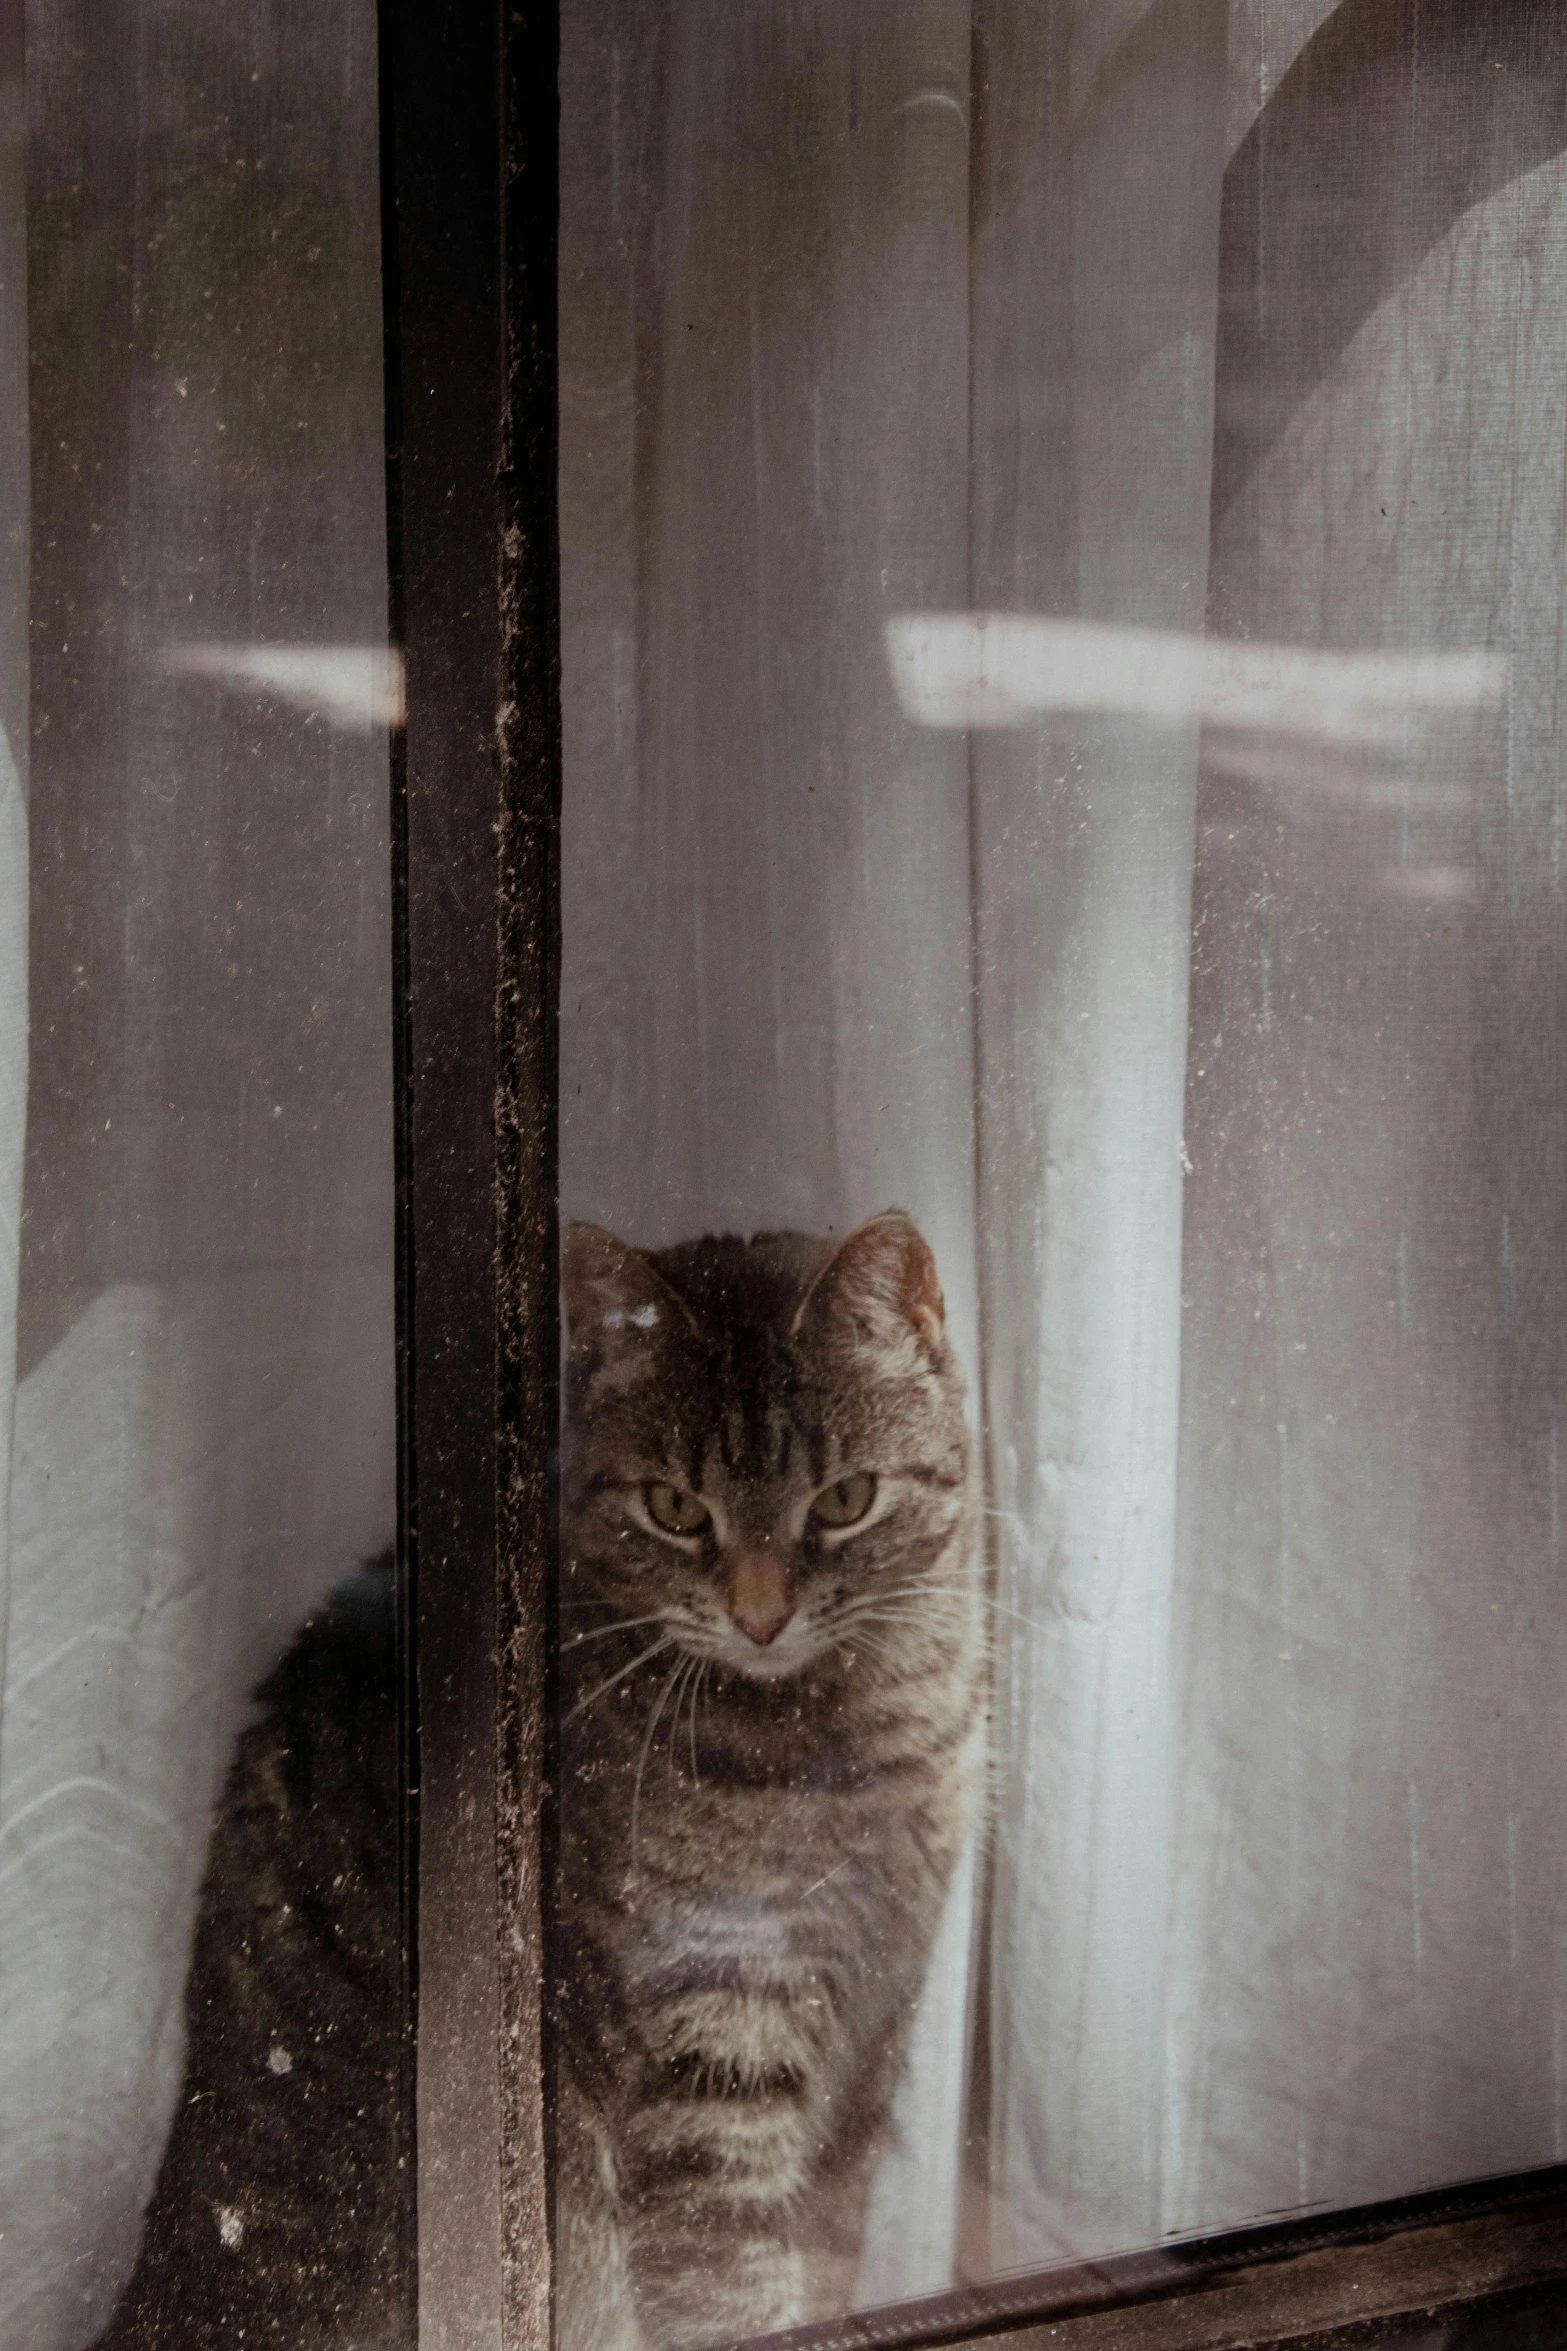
pixel 1097 175
pixel 832 281
pixel 1223 1067
pixel 766 1015
pixel 204 1425
pixel 1365 1954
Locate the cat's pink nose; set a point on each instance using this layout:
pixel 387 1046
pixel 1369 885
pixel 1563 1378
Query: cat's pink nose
pixel 760 1600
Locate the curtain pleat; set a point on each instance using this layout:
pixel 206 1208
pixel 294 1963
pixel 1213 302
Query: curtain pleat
pixel 765 1004
pixel 203 1322
pixel 1365 1948
pixel 1098 158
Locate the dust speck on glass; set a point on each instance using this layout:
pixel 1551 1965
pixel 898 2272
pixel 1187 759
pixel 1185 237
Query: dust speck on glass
pixel 1063 1149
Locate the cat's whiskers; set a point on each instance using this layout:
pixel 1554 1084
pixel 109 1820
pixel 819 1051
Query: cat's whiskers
pixel 605 1687
pixel 688 1697
pixel 687 1675
pixel 602 1632
pixel 675 1671
pixel 918 1646
pixel 696 1696
pixel 914 1593
pixel 872 1645
pixel 998 1608
pixel 917 1585
pixel 905 1609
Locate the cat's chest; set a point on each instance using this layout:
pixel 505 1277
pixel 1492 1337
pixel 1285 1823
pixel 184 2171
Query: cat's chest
pixel 790 1757
pixel 741 1742
pixel 767 1917
pixel 772 1847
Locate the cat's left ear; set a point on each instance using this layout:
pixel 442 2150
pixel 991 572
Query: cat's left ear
pixel 880 1288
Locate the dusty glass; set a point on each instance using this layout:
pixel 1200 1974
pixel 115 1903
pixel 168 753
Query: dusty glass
pixel 202 2105
pixel 1062 594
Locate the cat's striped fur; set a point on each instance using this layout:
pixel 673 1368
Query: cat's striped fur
pixel 772 1727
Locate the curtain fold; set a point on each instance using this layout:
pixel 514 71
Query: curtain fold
pixel 765 1002
pixel 1098 160
pixel 1366 1937
pixel 864 311
pixel 204 1316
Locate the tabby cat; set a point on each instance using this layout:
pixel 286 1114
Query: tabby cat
pixel 771 1724
pixel 771 1731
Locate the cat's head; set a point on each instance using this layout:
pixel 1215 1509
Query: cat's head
pixel 765 1440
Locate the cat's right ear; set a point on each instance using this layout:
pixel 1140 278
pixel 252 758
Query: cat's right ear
pixel 880 1289
pixel 616 1304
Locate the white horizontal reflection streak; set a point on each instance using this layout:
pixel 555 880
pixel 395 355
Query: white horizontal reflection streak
pixel 356 687
pixel 1002 669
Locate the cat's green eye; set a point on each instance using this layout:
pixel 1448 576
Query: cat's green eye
pixel 676 1511
pixel 844 1503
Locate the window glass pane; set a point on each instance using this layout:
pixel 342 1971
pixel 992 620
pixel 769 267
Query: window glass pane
pixel 1061 524
pixel 202 2110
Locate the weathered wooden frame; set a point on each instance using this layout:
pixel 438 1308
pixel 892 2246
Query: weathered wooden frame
pixel 469 177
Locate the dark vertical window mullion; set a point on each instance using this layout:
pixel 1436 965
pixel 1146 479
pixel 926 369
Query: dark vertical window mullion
pixel 470 230
pixel 527 1143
